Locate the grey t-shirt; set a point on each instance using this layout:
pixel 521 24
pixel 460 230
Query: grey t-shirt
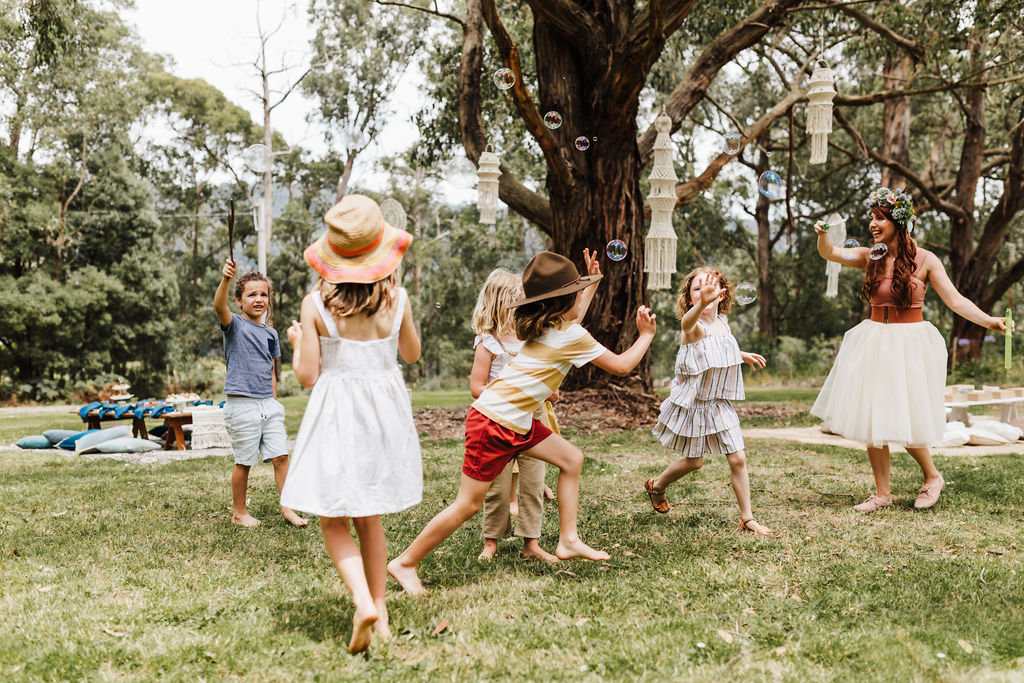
pixel 250 350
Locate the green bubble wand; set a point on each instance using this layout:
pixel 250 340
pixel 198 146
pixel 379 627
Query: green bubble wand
pixel 1008 336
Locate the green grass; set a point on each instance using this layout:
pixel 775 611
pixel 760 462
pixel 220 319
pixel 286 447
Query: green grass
pixel 114 570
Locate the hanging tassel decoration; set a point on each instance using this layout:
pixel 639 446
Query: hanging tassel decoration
pixel 837 233
pixel 819 111
pixel 660 243
pixel 488 173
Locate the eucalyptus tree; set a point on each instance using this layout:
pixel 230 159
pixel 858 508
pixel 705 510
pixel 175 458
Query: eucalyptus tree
pixel 361 52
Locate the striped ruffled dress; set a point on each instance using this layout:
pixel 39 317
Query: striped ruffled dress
pixel 697 417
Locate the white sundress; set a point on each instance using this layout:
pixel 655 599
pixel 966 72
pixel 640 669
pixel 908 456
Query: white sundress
pixel 357 453
pixel 698 417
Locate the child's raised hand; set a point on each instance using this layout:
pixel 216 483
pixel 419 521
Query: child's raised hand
pixel 710 289
pixel 229 269
pixel 645 322
pixel 295 334
pixel 754 360
pixel 821 227
pixel 590 257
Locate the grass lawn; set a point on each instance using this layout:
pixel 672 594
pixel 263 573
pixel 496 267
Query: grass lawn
pixel 116 570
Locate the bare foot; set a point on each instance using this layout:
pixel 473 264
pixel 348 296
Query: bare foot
pixel 293 518
pixel 548 493
pixel 531 548
pixel 406 577
pixel 513 508
pixel 245 519
pixel 362 629
pixel 490 547
pixel 578 548
pixel 755 526
pixel 381 627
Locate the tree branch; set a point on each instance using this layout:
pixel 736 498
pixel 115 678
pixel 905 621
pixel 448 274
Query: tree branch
pixel 568 18
pixel 881 96
pixel 915 50
pixel 427 10
pixel 527 203
pixel 936 202
pixel 718 53
pixel 691 188
pixel 559 171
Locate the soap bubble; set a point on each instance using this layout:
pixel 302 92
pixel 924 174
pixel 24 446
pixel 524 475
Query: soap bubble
pixel 257 157
pixel 878 251
pixel 394 213
pixel 732 143
pixel 437 305
pixel 582 143
pixel 851 243
pixel 616 249
pixel 770 185
pixel 553 120
pixel 745 293
pixel 504 78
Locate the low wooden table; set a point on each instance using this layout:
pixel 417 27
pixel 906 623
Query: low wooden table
pixel 93 420
pixel 173 422
pixel 1007 408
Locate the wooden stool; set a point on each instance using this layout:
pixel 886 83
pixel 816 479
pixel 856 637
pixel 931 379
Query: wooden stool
pixel 173 422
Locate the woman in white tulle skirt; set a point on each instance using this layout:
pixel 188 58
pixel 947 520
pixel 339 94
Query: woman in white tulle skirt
pixel 888 379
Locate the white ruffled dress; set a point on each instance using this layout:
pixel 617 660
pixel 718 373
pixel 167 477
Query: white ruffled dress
pixel 698 416
pixel 357 453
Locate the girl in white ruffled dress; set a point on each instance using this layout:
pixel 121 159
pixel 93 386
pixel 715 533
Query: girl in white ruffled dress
pixel 697 417
pixel 357 455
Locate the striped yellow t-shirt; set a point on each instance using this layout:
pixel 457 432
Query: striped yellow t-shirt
pixel 534 374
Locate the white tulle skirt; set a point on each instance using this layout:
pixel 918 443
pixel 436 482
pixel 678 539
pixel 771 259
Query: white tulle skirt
pixel 886 385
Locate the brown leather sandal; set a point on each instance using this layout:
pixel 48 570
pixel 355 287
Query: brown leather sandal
pixel 761 530
pixel 662 507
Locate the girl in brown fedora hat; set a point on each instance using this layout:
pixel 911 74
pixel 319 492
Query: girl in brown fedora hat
pixel 357 455
pixel 501 424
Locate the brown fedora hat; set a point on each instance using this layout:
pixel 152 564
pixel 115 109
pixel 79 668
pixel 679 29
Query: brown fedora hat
pixel 548 275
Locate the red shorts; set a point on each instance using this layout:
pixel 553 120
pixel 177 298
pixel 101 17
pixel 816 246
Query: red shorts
pixel 490 446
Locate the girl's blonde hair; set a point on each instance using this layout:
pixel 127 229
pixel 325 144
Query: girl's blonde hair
pixel 492 314
pixel 683 303
pixel 345 299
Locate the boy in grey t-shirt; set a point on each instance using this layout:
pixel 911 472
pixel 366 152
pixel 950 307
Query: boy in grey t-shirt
pixel 253 416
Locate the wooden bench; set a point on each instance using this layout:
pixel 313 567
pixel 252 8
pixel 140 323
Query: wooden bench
pixel 93 420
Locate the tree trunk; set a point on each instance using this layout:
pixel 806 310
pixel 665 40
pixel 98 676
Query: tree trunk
pixel 896 119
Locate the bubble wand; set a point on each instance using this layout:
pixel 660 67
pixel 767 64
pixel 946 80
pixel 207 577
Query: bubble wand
pixel 231 232
pixel 1008 336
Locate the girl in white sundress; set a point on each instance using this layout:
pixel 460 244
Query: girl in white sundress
pixel 697 417
pixel 357 455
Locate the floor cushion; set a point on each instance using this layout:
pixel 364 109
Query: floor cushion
pixel 34 441
pixel 57 435
pixel 88 443
pixel 127 445
pixel 68 444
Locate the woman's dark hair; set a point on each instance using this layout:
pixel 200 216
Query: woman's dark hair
pixel 902 269
pixel 353 298
pixel 530 320
pixel 257 276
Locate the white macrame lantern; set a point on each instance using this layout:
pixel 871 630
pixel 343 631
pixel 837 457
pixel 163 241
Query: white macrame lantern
pixel 660 243
pixel 836 233
pixel 488 172
pixel 819 111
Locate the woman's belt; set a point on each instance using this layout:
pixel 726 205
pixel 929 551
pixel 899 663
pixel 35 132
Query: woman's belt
pixel 891 314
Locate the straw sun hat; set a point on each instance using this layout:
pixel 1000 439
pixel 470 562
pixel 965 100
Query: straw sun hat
pixel 359 246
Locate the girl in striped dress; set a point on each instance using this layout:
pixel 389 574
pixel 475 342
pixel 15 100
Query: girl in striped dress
pixel 697 417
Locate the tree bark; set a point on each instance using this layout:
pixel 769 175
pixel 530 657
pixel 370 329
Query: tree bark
pixel 896 120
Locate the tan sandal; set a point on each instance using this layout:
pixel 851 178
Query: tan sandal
pixel 761 530
pixel 662 507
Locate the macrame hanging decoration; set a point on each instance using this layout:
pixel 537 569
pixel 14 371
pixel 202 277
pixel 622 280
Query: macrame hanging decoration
pixel 660 243
pixel 819 112
pixel 487 173
pixel 837 233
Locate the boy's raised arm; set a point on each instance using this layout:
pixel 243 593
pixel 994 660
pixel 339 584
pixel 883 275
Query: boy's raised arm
pixel 220 299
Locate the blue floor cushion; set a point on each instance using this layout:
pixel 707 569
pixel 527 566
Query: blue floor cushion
pixel 34 441
pixel 89 442
pixel 57 435
pixel 68 444
pixel 127 445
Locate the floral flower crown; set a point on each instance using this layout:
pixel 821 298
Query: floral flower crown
pixel 897 202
